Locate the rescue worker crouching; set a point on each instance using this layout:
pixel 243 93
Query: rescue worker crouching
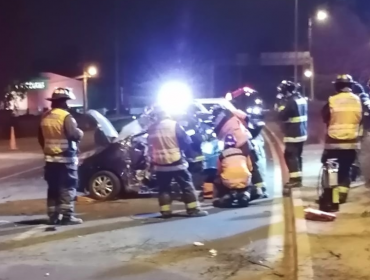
pixel 292 111
pixel 234 176
pixel 167 142
pixel 58 137
pixel 227 122
pixel 343 115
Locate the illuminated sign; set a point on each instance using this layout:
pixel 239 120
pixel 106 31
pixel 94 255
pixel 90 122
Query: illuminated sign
pixel 35 85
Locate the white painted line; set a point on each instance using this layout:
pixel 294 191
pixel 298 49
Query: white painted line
pixel 4 222
pixel 81 156
pixel 29 233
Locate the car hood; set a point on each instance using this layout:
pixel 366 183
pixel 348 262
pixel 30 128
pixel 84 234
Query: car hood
pixel 110 133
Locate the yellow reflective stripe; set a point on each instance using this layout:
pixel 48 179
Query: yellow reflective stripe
pixel 61 159
pixel 343 189
pixel 192 205
pixel 335 195
pixel 342 146
pixel 165 208
pixel 297 119
pixel 281 108
pixel 295 139
pixel 259 185
pixel 295 174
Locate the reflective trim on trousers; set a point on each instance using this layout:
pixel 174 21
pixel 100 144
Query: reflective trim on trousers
pixel 297 119
pixel 66 207
pixel 281 108
pixel 295 139
pixel 335 195
pixel 61 159
pixel 342 146
pixel 295 174
pixel 343 189
pixel 259 185
pixel 192 205
pixel 165 208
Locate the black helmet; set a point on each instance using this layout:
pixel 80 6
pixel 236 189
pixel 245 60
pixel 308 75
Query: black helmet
pixel 357 88
pixel 287 87
pixel 216 110
pixel 61 94
pixel 344 79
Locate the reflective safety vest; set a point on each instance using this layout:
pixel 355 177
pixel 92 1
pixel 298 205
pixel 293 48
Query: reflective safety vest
pixel 57 148
pixel 293 111
pixel 235 169
pixel 162 140
pixel 228 123
pixel 345 120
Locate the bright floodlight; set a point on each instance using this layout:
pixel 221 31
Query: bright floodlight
pixel 322 15
pixel 175 97
pixel 308 73
pixel 92 71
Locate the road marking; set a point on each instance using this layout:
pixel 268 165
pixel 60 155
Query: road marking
pixel 82 156
pixel 29 233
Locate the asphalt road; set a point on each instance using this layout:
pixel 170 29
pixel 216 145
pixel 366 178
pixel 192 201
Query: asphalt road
pixel 126 239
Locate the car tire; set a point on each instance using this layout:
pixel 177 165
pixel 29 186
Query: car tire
pixel 109 190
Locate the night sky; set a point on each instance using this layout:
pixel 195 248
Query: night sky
pixel 155 36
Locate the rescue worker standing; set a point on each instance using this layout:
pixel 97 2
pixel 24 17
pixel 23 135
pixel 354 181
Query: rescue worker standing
pixel 235 123
pixel 59 136
pixel 168 142
pixel 292 110
pixel 234 171
pixel 364 152
pixel 343 115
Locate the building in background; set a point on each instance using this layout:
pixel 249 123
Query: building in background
pixel 41 88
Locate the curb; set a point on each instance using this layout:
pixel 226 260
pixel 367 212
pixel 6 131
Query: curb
pixel 304 264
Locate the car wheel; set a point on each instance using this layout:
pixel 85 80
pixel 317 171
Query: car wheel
pixel 104 185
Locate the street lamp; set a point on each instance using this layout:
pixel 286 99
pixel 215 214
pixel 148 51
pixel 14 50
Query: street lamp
pixel 321 16
pixel 308 73
pixel 89 72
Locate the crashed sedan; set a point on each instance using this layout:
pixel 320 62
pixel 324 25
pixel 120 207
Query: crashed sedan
pixel 119 165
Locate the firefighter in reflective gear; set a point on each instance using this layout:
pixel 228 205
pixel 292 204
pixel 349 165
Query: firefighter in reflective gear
pixel 292 110
pixel 58 137
pixel 234 170
pixel 343 116
pixel 168 142
pixel 364 154
pixel 196 157
pixel 235 123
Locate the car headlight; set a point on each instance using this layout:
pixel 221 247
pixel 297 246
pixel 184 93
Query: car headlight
pixel 207 148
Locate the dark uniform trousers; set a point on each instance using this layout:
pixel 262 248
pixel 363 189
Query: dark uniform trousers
pixel 184 179
pixel 248 150
pixel 345 159
pixel 62 180
pixel 293 159
pixel 226 196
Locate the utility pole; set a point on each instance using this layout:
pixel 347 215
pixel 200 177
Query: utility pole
pixel 296 29
pixel 117 58
pixel 312 68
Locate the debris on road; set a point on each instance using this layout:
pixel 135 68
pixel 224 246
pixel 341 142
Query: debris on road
pixel 338 256
pixel 47 274
pixel 84 199
pixel 319 216
pixel 198 244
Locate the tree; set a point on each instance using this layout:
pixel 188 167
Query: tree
pixel 13 92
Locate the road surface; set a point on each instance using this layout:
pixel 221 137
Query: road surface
pixel 126 239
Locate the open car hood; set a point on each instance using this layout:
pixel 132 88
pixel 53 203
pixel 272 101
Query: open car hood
pixel 106 132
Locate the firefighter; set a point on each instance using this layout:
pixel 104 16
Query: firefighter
pixel 168 142
pixel 235 123
pixel 292 110
pixel 234 176
pixel 363 154
pixel 342 115
pixel 58 137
